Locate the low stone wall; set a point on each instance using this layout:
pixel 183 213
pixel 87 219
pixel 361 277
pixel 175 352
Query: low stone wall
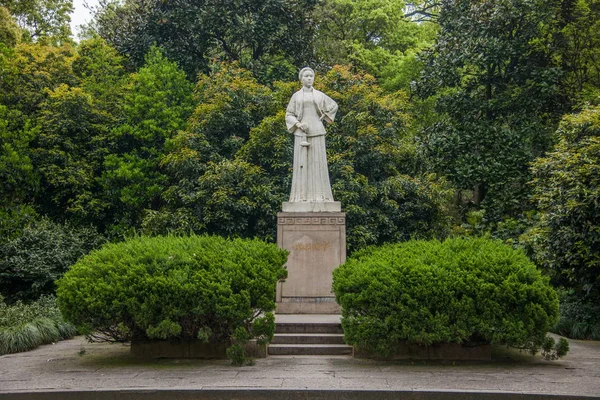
pixel 190 349
pixel 447 351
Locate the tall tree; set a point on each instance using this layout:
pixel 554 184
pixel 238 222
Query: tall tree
pixel 496 86
pixel 72 118
pixel 10 34
pixel 32 70
pixel 373 35
pixel 577 40
pixel 157 103
pixel 20 181
pixel 69 151
pixel 566 189
pixel 259 34
pixel 208 184
pixel 42 18
pixel 28 72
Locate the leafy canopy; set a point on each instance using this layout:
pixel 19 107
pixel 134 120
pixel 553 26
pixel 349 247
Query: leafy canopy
pixel 42 18
pixel 566 189
pixel 259 34
pixel 374 36
pixel 494 81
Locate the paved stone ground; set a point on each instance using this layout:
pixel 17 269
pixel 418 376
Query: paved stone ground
pixel 77 365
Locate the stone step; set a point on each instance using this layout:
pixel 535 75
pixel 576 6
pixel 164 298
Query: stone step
pixel 308 338
pixel 309 350
pixel 303 327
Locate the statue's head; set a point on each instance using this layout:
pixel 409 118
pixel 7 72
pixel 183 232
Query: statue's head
pixel 307 76
pixel 303 70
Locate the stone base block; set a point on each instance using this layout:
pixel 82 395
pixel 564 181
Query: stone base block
pixel 190 349
pixel 317 245
pixel 446 351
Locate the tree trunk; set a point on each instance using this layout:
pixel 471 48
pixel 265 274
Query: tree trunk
pixel 479 192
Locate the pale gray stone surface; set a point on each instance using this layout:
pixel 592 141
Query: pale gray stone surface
pixel 329 206
pixel 317 245
pixel 110 366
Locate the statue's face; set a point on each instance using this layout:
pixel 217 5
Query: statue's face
pixel 308 78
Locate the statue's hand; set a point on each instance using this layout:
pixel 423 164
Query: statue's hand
pixel 302 126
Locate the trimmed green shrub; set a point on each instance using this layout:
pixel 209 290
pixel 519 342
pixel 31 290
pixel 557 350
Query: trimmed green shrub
pixel 26 326
pixel 175 288
pixel 475 291
pixel 32 261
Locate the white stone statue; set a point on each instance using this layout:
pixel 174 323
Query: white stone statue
pixel 304 117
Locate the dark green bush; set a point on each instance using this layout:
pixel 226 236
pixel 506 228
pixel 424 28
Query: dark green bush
pixel 430 292
pixel 26 326
pixel 32 261
pixel 197 287
pixel 579 318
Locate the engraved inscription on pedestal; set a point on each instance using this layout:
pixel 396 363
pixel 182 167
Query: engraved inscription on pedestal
pixel 317 245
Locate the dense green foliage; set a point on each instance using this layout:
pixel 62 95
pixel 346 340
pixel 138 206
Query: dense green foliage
pixel 157 102
pixel 42 253
pixel 566 184
pixel 495 85
pixel 26 326
pixel 168 117
pixel 166 287
pixel 266 36
pixel 577 40
pixel 10 33
pixel 373 35
pixel 42 19
pixel 430 292
pixel 373 161
pixel 579 318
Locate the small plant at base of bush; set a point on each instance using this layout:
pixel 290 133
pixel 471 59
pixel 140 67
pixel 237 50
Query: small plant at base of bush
pixel 551 350
pixel 204 288
pixel 470 291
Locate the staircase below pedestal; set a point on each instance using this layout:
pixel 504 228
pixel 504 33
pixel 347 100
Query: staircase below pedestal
pixel 308 335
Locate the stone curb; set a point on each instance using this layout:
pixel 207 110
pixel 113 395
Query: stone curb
pixel 257 394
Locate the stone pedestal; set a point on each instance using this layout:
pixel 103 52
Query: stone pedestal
pixel 317 245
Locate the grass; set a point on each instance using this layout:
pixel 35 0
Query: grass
pixel 24 327
pixel 579 319
pixel 574 329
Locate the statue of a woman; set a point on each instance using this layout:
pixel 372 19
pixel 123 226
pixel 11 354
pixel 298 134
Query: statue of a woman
pixel 304 117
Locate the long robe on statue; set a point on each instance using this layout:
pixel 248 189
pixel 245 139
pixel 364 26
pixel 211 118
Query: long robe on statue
pixel 310 179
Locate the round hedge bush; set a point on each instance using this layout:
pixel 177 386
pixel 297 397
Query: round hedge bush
pixel 197 287
pixel 430 292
